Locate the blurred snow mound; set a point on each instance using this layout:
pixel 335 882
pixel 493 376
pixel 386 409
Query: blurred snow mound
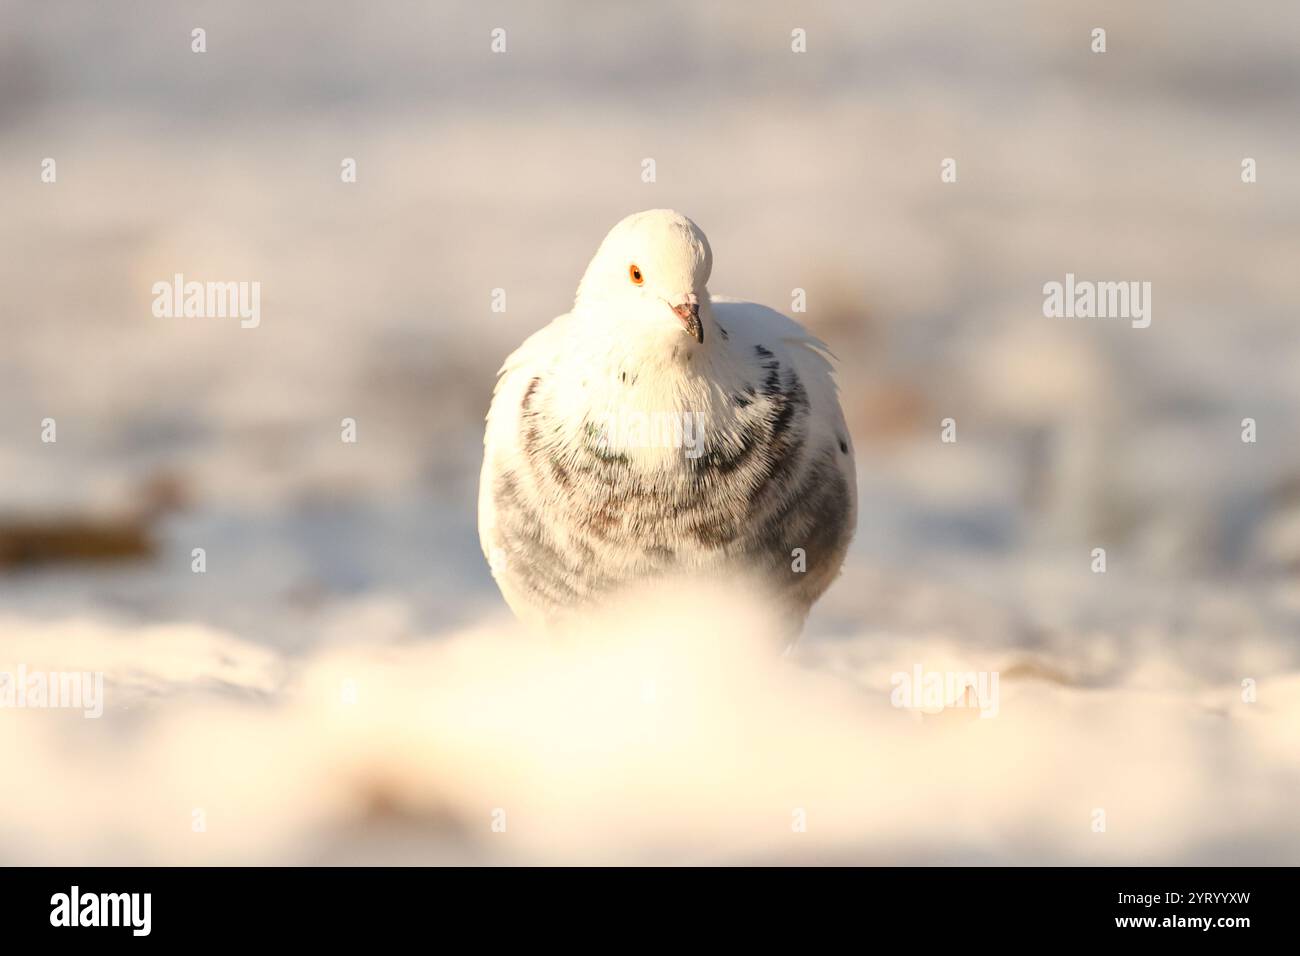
pixel 669 730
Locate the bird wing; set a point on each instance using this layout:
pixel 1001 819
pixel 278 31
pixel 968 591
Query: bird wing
pixel 750 324
pixel 502 453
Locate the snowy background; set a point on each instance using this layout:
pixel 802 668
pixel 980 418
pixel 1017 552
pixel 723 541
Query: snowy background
pixel 679 739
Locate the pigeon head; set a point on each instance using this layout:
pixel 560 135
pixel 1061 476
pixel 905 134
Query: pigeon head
pixel 651 270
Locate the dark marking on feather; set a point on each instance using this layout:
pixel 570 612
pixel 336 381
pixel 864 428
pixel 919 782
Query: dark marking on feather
pixel 560 472
pixel 812 516
pixel 772 384
pixel 782 453
pixel 755 493
pixel 720 460
pixel 659 554
pixel 715 532
pixel 528 393
pixel 522 534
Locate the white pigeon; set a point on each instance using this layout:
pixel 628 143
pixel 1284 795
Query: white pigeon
pixel 657 430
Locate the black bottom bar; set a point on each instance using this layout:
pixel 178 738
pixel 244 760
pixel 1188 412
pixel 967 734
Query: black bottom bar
pixel 1219 906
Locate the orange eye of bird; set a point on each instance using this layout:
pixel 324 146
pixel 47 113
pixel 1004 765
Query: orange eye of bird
pixel 635 273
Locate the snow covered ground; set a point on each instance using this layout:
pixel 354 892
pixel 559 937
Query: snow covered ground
pixel 343 684
pixel 679 737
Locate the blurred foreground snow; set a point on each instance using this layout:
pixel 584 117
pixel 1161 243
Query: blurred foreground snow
pixel 670 731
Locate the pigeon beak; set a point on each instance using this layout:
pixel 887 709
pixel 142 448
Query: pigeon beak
pixel 689 313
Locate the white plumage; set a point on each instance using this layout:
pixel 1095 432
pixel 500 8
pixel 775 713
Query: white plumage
pixel 657 430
